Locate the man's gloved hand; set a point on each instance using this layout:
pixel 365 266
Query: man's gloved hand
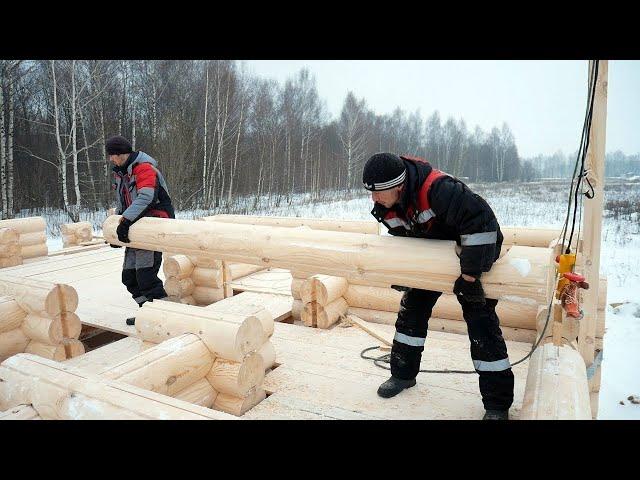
pixel 471 292
pixel 123 230
pixel 400 288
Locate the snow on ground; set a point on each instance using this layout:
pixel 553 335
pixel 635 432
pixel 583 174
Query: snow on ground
pixel 537 204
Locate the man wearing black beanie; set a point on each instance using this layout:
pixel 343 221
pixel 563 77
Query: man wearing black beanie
pixel 141 192
pixel 413 199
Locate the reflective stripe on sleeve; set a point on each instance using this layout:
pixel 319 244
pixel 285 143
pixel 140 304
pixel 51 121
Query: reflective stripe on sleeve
pixel 425 216
pixel 397 222
pixel 407 340
pixel 497 366
pixel 482 238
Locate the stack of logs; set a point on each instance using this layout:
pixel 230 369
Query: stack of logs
pixel 224 365
pixel 322 299
pixel 73 234
pixel 10 254
pixel 32 240
pixel 38 317
pixel 200 280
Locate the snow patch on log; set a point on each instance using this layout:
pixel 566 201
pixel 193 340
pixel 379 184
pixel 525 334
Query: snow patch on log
pixel 522 265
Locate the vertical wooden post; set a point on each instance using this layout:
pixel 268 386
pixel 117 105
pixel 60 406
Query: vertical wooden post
pixel 592 224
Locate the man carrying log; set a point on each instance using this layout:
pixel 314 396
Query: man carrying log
pixel 141 192
pixel 413 199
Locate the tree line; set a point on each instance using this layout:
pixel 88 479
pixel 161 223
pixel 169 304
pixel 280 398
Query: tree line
pixel 218 133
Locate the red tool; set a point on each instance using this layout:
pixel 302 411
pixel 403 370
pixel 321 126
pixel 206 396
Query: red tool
pixel 569 294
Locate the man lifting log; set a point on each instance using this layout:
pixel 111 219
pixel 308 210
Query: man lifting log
pixel 141 191
pixel 413 199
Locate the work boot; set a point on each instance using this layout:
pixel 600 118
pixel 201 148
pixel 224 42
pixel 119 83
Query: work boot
pixel 496 415
pixel 131 321
pixel 394 386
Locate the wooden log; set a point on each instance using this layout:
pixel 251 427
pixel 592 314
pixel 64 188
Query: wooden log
pixel 199 393
pixel 167 368
pixel 73 347
pixel 239 270
pixel 11 262
pixel 238 406
pixel 207 296
pixel 21 412
pixel 529 237
pixel 207 277
pixel 188 300
pixel 237 378
pixel 11 314
pixel 178 266
pixel 33 238
pixel 323 289
pixel 8 236
pixel 206 262
pixel 43 329
pixel 442 324
pixel 71 324
pixel 25 225
pixel 39 296
pixel 296 309
pixel 415 262
pixel 52 352
pixel 157 321
pixel 12 342
pixel 326 315
pixel 556 387
pixel 62 392
pixel 83 231
pixel 338 225
pixel 33 251
pixel 10 250
pixel 69 241
pixel 296 284
pixel 268 354
pixel 179 288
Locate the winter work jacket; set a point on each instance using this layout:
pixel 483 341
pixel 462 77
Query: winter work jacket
pixel 436 205
pixel 141 189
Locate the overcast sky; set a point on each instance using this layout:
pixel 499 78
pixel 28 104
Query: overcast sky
pixel 542 101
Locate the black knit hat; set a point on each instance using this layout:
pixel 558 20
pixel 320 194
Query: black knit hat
pixel 117 145
pixel 383 171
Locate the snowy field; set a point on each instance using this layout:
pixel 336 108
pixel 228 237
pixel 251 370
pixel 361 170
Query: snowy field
pixel 534 205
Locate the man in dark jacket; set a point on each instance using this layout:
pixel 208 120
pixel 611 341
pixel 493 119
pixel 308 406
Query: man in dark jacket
pixel 141 191
pixel 415 200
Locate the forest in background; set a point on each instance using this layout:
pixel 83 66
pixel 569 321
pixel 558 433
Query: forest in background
pixel 220 134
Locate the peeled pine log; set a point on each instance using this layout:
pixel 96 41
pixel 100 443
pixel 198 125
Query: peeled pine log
pixel 11 314
pixel 268 354
pixel 207 277
pixel 61 392
pixel 12 342
pixel 200 393
pixel 71 324
pixel 326 315
pixel 8 236
pixel 25 225
pixel 556 387
pixel 178 266
pixel 39 296
pixel 179 288
pixel 529 237
pixel 323 289
pixel 33 238
pixel 354 226
pixel 238 406
pixel 189 300
pixel 52 352
pixel 33 251
pixel 73 347
pixel 167 368
pixel 10 250
pixel 442 324
pixel 158 321
pixel 83 231
pixel 296 285
pixel 206 262
pixel 207 296
pixel 43 329
pixel 239 270
pixel 415 262
pixel 237 378
pixel 21 412
pixel 11 262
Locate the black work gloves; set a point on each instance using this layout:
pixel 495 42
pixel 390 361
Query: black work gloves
pixel 470 292
pixel 123 230
pixel 400 288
